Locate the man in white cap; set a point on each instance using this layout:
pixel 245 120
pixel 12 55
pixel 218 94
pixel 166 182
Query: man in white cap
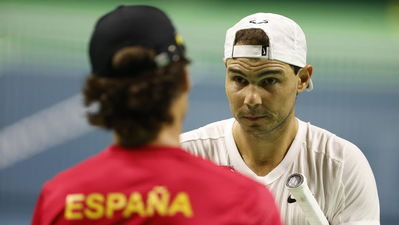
pixel 265 58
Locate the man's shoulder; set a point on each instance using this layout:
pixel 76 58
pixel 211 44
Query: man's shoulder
pixel 326 142
pixel 213 130
pixel 67 177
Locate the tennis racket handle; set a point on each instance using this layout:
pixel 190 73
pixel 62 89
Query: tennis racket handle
pixel 307 202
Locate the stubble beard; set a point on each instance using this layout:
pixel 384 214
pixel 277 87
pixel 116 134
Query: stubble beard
pixel 269 125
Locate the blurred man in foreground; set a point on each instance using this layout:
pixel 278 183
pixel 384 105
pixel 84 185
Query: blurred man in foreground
pixel 139 87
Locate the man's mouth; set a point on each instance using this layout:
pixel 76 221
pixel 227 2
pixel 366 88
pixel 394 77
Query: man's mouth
pixel 254 117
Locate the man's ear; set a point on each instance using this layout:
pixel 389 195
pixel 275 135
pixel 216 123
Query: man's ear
pixel 304 75
pixel 225 62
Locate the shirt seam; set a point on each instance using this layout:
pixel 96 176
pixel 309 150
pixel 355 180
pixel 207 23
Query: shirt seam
pixel 202 139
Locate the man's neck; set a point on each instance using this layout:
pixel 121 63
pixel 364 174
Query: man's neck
pixel 169 133
pixel 168 136
pixel 263 153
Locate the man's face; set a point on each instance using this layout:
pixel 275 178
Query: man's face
pixel 261 93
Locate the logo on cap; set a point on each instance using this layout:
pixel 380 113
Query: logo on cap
pixel 264 53
pixel 258 22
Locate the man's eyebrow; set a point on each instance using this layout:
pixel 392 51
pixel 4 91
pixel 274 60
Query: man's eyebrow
pixel 271 72
pixel 265 73
pixel 231 70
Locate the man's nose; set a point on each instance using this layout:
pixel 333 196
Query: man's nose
pixel 252 97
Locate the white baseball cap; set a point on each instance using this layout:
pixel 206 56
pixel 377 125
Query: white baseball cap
pixel 287 42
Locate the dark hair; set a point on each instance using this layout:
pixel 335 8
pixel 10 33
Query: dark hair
pixel 256 36
pixel 136 105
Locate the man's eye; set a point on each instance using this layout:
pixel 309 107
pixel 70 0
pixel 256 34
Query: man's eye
pixel 269 81
pixel 239 80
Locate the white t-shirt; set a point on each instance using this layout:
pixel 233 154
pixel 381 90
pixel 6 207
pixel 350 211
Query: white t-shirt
pixel 337 172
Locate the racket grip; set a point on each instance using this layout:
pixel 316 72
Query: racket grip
pixel 297 186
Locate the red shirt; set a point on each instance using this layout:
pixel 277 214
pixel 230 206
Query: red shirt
pixel 153 185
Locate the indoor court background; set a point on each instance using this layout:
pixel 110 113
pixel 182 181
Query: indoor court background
pixel 353 46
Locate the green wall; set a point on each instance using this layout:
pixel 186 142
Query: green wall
pixel 356 42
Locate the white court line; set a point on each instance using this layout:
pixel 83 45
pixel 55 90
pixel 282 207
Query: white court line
pixel 43 130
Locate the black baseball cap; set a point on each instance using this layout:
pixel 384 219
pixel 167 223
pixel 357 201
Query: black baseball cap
pixel 134 25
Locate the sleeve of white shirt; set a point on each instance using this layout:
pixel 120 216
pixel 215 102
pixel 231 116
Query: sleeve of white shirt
pixel 357 201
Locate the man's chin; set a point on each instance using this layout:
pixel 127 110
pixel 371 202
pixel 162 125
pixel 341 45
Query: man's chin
pixel 257 128
pixel 253 129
